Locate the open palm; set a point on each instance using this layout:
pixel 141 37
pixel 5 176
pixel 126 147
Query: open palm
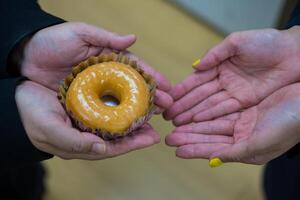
pixel 238 73
pixel 255 135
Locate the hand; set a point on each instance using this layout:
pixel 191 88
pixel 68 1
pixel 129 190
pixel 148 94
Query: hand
pixel 51 52
pixel 255 135
pixel 50 130
pixel 236 74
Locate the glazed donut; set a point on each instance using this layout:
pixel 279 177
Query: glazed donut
pixel 108 95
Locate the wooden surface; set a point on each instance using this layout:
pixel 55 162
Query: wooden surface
pixel 169 40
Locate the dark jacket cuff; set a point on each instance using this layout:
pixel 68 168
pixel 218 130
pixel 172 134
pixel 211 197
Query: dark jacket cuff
pixel 294 153
pixel 15 146
pixel 25 18
pixel 293 22
pixel 295 17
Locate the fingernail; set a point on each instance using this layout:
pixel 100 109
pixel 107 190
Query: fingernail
pixel 215 162
pixel 196 63
pixel 98 148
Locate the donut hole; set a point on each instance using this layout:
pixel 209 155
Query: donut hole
pixel 110 100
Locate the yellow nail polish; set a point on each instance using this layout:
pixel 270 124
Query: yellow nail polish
pixel 215 162
pixel 194 65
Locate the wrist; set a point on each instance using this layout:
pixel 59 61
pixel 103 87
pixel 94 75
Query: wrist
pixel 16 56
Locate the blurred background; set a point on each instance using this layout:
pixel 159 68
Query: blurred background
pixel 171 34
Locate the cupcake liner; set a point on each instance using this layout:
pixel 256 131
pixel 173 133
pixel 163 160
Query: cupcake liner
pixel 65 84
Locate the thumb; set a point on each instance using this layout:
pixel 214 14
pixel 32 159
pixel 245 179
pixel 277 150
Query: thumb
pixel 217 54
pixel 71 140
pixel 103 38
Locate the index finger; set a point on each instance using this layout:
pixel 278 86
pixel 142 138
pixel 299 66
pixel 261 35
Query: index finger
pixel 162 82
pixel 218 54
pixel 192 81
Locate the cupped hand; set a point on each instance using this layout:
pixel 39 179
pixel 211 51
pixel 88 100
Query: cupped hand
pixel 50 130
pixel 51 52
pixel 238 73
pixel 255 135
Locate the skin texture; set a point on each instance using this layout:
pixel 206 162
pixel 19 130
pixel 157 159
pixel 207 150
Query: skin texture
pixel 50 129
pixel 48 57
pixel 236 74
pixel 51 52
pixel 241 104
pixel 255 135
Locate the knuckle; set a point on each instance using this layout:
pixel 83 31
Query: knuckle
pixel 78 147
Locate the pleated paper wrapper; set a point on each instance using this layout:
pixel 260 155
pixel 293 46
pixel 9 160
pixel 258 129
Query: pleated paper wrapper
pixel 102 58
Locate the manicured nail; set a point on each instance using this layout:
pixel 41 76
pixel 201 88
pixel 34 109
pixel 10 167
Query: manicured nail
pixel 215 162
pixel 196 63
pixel 98 148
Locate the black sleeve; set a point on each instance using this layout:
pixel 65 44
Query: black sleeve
pixel 294 153
pixel 15 147
pixel 295 18
pixel 19 18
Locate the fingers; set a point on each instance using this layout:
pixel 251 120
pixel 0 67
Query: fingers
pixel 162 82
pixel 163 100
pixel 218 54
pixel 103 38
pixel 71 140
pixel 180 139
pixel 192 81
pixel 192 98
pixel 187 116
pixel 224 151
pixel 217 131
pixel 141 138
pixel 216 139
pixel 204 150
pixel 207 139
pixel 216 127
pixel 226 107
